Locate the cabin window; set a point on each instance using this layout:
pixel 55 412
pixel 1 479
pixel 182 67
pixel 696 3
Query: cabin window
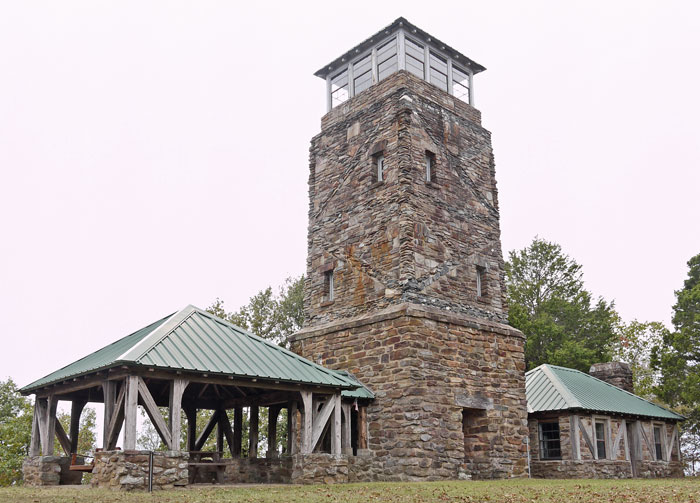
pixel 550 444
pixel 339 88
pixel 658 446
pixel 329 286
pixel 600 439
pixel 429 167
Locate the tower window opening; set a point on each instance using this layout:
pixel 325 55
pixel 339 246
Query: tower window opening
pixel 460 84
pixel 438 71
pixel 550 443
pixel 480 283
pixel 415 58
pixel 339 88
pixel 387 59
pixel 362 74
pixel 378 167
pixel 328 285
pixel 430 167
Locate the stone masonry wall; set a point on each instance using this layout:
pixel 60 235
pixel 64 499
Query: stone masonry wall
pixel 427 367
pixel 319 468
pixel 258 470
pixel 128 470
pixel 403 239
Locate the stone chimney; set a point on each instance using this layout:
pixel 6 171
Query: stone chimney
pixel 616 373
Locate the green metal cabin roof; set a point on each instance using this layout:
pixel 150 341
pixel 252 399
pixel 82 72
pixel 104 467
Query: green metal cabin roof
pixel 552 388
pixel 197 341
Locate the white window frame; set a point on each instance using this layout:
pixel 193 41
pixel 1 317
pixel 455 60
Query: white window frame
pixel 662 432
pixel 607 433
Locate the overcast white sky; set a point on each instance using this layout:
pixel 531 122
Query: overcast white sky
pixel 154 154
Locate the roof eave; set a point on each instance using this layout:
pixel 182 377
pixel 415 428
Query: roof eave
pixel 416 32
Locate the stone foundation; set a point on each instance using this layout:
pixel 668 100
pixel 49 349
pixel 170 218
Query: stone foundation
pixel 603 469
pixel 50 471
pixel 258 471
pixel 128 470
pixel 319 468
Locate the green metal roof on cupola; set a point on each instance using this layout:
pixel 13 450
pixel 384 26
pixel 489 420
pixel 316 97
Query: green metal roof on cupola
pixel 552 388
pixel 193 340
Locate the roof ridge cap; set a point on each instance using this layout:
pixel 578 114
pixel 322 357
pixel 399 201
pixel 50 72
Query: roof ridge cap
pixel 563 390
pixel 157 335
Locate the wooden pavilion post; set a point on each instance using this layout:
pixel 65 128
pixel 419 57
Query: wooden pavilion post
pixel 75 410
pixel 177 389
pixel 292 426
pixel 109 392
pixel 237 432
pixel 362 427
pixel 307 422
pixel 35 443
pixel 131 402
pixel 47 423
pixel 253 431
pixel 272 415
pixel 336 430
pixel 191 413
pixel 347 429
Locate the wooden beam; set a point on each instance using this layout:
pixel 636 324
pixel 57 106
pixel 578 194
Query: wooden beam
pixel 307 423
pixel 35 442
pixel 671 444
pixel 587 438
pixel 213 421
pixel 47 421
pixel 320 420
pixel 177 389
pixel 362 427
pixel 253 421
pixel 131 402
pixel 225 428
pixel 650 446
pixel 336 430
pixel 149 404
pixel 115 422
pixel 575 438
pixel 618 437
pixel 237 432
pixel 63 439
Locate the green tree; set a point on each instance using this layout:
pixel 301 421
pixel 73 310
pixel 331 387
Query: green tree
pixel 16 416
pixel 678 357
pixel 87 438
pixel 563 324
pixel 634 346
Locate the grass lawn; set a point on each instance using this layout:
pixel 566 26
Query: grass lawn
pixel 509 491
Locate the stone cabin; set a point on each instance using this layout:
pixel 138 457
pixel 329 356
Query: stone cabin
pixel 593 426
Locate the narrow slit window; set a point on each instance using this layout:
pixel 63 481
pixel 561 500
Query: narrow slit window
pixel 550 443
pixel 600 439
pixel 480 283
pixel 657 444
pixel 378 167
pixel 329 285
pixel 430 167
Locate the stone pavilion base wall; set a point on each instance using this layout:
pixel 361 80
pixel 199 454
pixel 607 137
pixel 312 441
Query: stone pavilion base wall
pixel 128 470
pixel 50 471
pixel 427 367
pixel 256 471
pixel 319 468
pixel 604 469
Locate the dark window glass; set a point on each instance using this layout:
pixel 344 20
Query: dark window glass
pixel 550 446
pixel 600 439
pixel 657 443
pixel 387 59
pixel 415 58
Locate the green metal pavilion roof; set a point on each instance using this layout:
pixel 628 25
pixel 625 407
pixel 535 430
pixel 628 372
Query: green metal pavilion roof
pixel 197 341
pixel 552 388
pixel 361 392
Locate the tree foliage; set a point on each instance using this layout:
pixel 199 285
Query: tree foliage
pixel 563 323
pixel 87 439
pixel 16 416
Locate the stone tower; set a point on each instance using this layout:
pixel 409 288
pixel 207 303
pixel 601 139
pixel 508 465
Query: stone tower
pixel 405 274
